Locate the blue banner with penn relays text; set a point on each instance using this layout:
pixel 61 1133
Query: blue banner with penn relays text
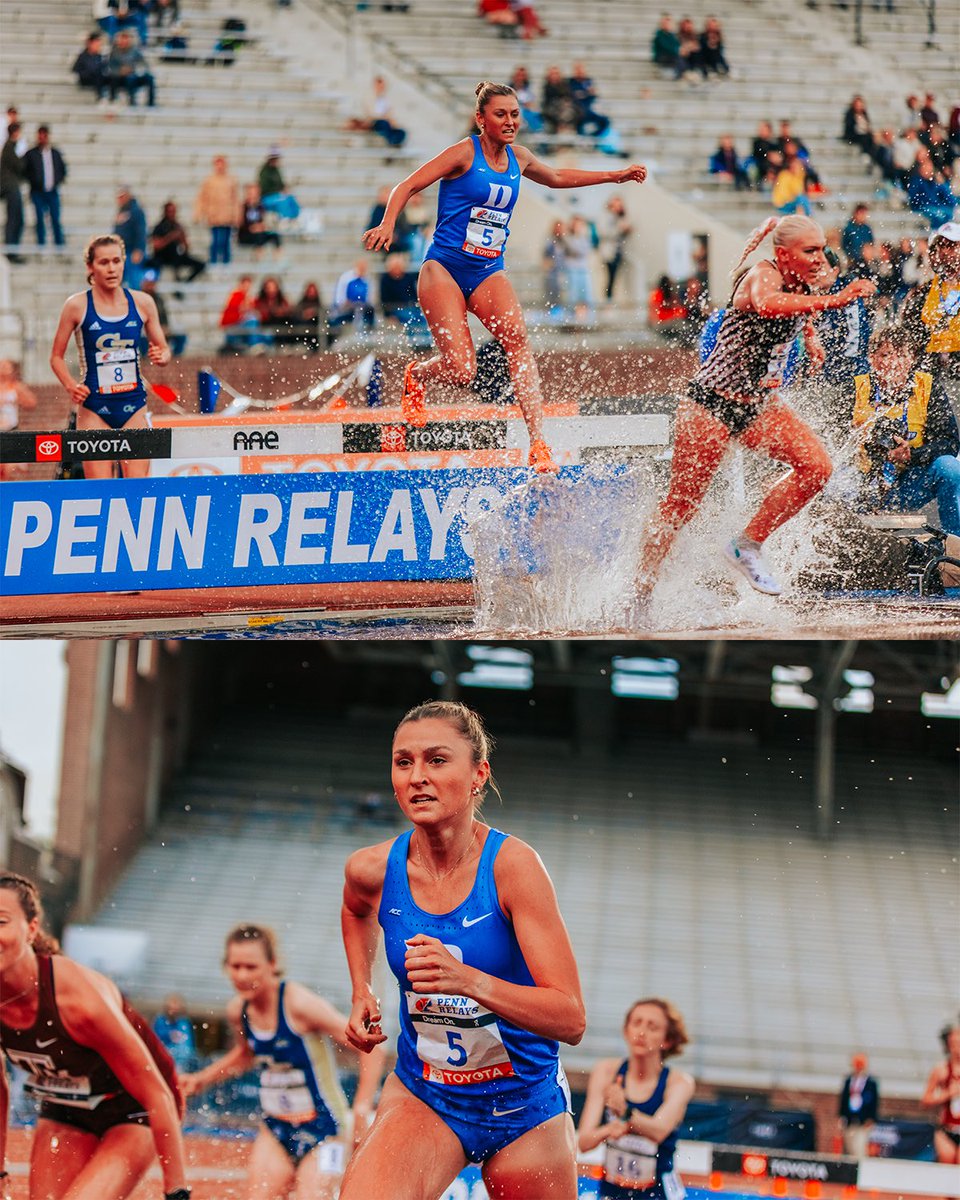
pixel 243 530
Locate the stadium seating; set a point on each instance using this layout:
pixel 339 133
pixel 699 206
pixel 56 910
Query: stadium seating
pixel 693 874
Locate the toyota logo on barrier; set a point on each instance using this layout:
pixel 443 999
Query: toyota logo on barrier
pixel 49 449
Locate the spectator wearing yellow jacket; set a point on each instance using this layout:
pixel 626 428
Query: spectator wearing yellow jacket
pixel 218 205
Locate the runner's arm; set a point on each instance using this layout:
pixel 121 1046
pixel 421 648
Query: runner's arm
pixel 570 177
pixel 938 1090
pixel 70 317
pixel 90 1008
pixel 363 883
pixel 238 1059
pixel 592 1129
pixel 553 1006
pixel 762 291
pixel 668 1116
pixel 453 161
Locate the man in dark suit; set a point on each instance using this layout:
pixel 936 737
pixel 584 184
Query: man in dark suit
pixel 11 179
pixel 859 1101
pixel 45 170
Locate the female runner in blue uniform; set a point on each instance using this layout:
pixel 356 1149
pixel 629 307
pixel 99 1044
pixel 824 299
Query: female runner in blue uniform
pixel 635 1105
pixel 279 1027
pixel 463 268
pixel 488 984
pixel 109 321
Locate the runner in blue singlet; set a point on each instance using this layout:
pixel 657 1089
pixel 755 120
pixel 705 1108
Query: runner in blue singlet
pixel 282 1029
pixel 635 1105
pixel 463 269
pixel 108 322
pixel 488 984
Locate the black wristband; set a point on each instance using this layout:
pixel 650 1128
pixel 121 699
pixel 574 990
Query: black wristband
pixel 183 1193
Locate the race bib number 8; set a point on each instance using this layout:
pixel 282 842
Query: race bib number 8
pixel 630 1162
pixel 458 1040
pixel 116 370
pixel 486 232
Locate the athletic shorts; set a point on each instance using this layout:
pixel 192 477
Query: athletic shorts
pixel 952 1134
pixel 118 1110
pixel 115 410
pixel 485 1124
pixel 299 1140
pixel 737 416
pixel 467 275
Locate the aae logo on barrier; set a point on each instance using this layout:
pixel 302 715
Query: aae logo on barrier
pixel 256 439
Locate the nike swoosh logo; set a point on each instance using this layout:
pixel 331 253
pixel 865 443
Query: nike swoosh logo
pixel 43 1045
pixel 503 1112
pixel 467 922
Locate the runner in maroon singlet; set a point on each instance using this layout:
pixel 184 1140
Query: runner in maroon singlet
pixel 943 1092
pixel 107 1090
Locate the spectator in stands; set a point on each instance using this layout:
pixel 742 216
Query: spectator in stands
pixel 726 165
pixel 697 303
pixel 767 157
pixel 176 341
pixel 130 224
pixel 590 123
pixel 615 229
pixel 500 14
pixel 665 46
pixel 557 105
pixel 943 1093
pixel 273 189
pixel 928 111
pixel 15 397
pixel 175 1030
pixel 711 49
pixel 351 301
pixel 240 320
pixel 252 229
pixel 403 233
pixel 132 14
pixel 90 67
pixel 856 125
pixel 272 306
pixel 166 12
pixel 578 248
pixel 666 310
pixel 905 150
pixel 555 269
pixel 909 436
pixel 931 312
pixel 690 61
pixel 45 170
pixel 883 154
pixel 942 154
pixel 217 205
pixel 911 113
pixel 790 147
pixel 520 82
pixel 790 188
pixel 306 315
pixel 859 1097
pixel 13 118
pixel 12 175
pixel 379 117
pixel 398 295
pixel 638 1099
pixel 128 70
pixel 170 248
pixel 930 195
pixel 106 17
pixel 857 233
pixel 419 222
pixel 528 19
pixel 915 269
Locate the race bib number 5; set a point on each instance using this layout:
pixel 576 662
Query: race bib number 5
pixel 458 1040
pixel 486 232
pixel 116 370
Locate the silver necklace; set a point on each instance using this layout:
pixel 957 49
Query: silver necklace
pixel 449 870
pixel 19 995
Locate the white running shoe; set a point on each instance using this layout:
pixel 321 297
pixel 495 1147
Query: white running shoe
pixel 747 558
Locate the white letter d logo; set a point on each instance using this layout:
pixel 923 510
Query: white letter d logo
pixel 499 196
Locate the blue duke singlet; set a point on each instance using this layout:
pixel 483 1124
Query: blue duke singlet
pixel 298 1077
pixel 473 210
pixel 453 1044
pixel 110 358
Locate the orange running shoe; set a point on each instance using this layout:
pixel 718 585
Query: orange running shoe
pixel 541 459
pixel 411 402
